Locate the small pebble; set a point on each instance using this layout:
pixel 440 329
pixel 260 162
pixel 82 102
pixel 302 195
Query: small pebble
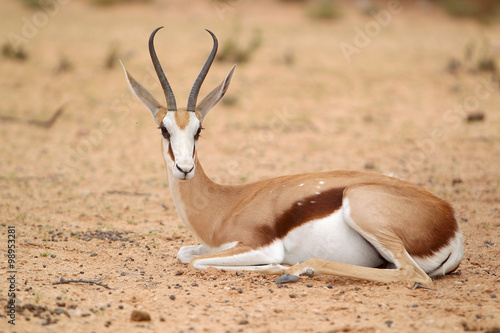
pixel 369 165
pixel 52 255
pixel 493 296
pixel 475 116
pixel 172 297
pixel 240 290
pixel 107 323
pixel 139 315
pixel 85 314
pixel 309 285
pixel 356 288
pixel 293 296
pixel 120 306
pixel 329 286
pixel 243 322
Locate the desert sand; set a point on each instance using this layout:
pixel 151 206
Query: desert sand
pixel 88 198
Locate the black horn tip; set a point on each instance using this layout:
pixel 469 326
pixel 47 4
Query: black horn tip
pixel 154 32
pixel 211 33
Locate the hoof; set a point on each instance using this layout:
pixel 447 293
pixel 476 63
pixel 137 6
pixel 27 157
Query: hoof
pixel 418 285
pixel 287 278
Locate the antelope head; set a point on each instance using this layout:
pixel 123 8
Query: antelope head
pixel 180 127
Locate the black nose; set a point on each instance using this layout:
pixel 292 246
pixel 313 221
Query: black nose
pixel 184 171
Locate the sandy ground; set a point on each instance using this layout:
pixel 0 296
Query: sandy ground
pixel 88 197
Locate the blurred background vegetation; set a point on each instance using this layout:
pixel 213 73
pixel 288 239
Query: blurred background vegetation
pixel 241 45
pixel 485 11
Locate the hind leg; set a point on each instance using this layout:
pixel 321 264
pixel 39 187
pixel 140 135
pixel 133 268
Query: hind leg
pixel 319 266
pixel 375 212
pixel 406 270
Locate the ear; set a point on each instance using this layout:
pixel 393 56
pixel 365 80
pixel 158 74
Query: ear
pixel 215 95
pixel 146 98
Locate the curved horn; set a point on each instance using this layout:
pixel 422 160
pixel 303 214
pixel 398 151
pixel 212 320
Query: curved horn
pixel 167 90
pixel 193 95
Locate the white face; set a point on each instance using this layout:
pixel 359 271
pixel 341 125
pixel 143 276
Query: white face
pixel 181 128
pixel 180 131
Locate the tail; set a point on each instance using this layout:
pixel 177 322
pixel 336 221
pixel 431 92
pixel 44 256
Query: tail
pixel 455 255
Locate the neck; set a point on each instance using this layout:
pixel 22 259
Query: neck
pixel 200 203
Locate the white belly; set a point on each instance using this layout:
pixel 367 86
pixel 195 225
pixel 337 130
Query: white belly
pixel 331 239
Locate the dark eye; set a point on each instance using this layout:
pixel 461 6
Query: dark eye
pixel 197 135
pixel 165 133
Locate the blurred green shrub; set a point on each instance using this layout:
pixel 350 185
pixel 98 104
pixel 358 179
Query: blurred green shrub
pixel 35 3
pixel 115 2
pixel 232 51
pixel 483 10
pixel 11 52
pixel 324 10
pixel 112 56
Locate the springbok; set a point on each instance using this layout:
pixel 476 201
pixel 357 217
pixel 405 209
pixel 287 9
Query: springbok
pixel 355 224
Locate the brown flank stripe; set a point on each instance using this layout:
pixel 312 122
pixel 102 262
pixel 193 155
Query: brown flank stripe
pixel 311 208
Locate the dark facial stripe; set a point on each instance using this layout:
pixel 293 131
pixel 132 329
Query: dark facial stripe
pixel 170 152
pixel 308 209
